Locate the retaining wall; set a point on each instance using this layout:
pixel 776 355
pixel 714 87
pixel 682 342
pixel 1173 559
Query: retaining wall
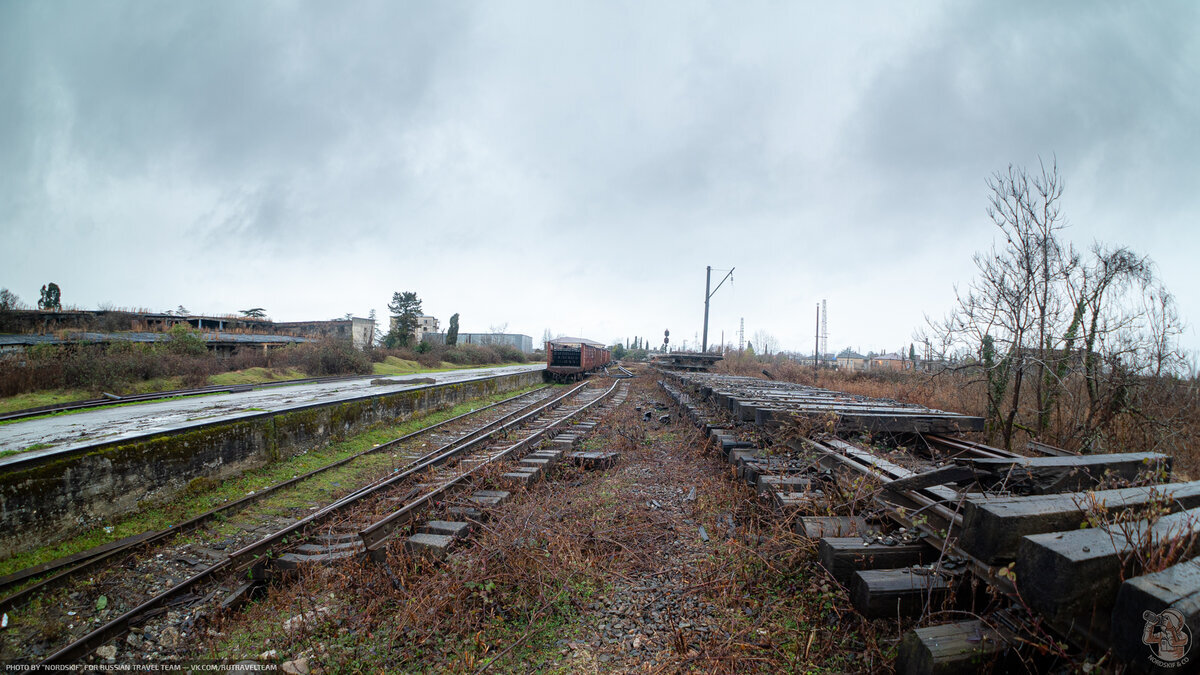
pixel 51 498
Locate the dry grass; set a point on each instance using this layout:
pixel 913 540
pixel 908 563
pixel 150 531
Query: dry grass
pixel 530 590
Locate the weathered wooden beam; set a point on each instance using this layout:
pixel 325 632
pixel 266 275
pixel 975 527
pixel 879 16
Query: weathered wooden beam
pixel 878 594
pixel 951 473
pixel 1073 577
pixel 950 649
pixel 843 556
pixel 817 527
pixel 1143 630
pixel 890 424
pixel 993 526
pixel 1075 472
pixel 784 483
pixel 752 469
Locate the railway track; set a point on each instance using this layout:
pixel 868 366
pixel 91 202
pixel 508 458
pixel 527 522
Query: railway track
pixel 72 573
pixel 364 520
pixel 1081 556
pixel 64 569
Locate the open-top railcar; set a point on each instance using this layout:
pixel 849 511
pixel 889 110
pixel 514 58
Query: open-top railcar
pixel 569 359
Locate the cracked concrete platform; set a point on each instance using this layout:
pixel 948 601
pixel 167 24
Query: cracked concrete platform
pixel 70 432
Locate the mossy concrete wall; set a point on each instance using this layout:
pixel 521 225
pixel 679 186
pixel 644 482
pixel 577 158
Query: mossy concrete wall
pixel 51 498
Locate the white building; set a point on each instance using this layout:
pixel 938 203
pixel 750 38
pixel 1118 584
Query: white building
pixel 362 332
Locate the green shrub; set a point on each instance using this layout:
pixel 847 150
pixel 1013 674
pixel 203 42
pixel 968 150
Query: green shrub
pixel 509 353
pixel 332 357
pixel 470 355
pixel 185 341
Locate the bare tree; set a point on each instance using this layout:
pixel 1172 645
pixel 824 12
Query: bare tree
pixel 767 343
pixel 9 300
pixel 1037 313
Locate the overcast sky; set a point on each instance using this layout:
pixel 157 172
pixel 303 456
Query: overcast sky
pixel 575 166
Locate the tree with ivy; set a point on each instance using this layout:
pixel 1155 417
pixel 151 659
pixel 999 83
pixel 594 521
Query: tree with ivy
pixel 51 297
pixel 452 331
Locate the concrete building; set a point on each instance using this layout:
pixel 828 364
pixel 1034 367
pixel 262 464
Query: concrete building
pixel 36 322
pixel 425 326
pixel 522 342
pixel 362 332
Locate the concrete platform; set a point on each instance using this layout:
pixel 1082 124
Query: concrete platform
pixel 106 461
pixel 89 427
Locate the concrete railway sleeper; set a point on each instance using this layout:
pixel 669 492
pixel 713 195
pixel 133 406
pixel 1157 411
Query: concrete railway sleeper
pixel 315 539
pixel 131 559
pixel 927 548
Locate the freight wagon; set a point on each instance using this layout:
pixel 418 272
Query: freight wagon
pixel 569 359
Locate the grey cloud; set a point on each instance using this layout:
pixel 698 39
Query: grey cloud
pixel 507 157
pixel 1000 84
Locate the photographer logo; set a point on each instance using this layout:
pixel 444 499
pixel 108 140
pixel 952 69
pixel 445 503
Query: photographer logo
pixel 1168 637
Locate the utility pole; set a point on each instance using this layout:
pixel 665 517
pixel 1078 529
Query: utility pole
pixel 824 349
pixel 708 294
pixel 817 341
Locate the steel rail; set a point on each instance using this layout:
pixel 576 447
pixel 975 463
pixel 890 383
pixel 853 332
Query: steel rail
pixel 903 506
pixel 969 447
pixel 248 555
pixel 91 559
pixel 430 460
pixel 375 535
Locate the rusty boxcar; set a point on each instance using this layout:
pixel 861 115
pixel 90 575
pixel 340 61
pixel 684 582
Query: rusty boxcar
pixel 569 359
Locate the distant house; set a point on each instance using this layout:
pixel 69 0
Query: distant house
pixel 851 360
pixel 890 361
